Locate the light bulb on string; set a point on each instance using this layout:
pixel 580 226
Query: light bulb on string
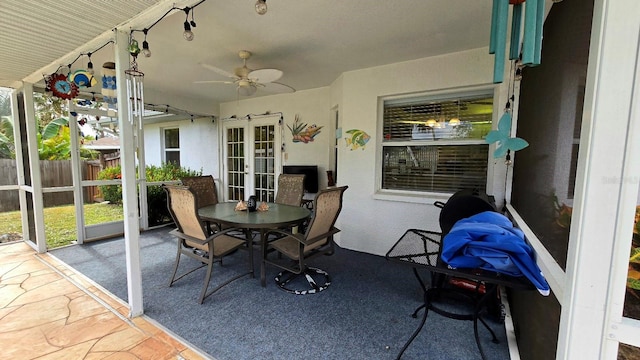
pixel 261 7
pixel 188 34
pixel 145 45
pixel 90 65
pixel 507 158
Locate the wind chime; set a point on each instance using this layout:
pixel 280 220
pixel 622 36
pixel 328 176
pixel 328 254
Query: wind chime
pixel 531 33
pixel 523 53
pixel 135 87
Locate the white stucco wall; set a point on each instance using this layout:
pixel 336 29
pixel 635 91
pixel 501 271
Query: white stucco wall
pixel 370 222
pixel 198 144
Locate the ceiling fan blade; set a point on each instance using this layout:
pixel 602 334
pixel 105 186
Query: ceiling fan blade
pixel 278 88
pixel 213 82
pixel 265 75
pixel 218 70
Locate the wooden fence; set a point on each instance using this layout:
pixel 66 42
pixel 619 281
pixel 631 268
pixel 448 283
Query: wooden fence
pixel 54 173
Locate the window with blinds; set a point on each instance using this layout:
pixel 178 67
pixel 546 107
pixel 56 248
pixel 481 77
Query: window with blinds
pixel 436 145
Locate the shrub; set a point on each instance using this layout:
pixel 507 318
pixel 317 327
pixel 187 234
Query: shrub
pixel 156 197
pixel 111 193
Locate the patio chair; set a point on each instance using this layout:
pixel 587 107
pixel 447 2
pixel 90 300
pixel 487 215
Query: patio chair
pixel 195 242
pixel 300 247
pixel 290 189
pixel 204 188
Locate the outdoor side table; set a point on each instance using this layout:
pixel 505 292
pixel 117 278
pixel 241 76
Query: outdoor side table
pixel 420 249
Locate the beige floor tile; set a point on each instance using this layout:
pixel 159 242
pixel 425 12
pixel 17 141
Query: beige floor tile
pixel 9 293
pixel 84 306
pixel 78 351
pixel 25 344
pixel 153 348
pixel 93 327
pixel 190 354
pixel 41 279
pixel 50 290
pixel 35 314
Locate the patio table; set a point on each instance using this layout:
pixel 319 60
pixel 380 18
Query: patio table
pixel 278 216
pixel 420 249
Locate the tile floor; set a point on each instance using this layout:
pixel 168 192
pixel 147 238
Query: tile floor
pixel 48 311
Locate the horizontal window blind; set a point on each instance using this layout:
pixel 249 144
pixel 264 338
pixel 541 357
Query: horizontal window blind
pixel 411 163
pixel 435 168
pixel 468 118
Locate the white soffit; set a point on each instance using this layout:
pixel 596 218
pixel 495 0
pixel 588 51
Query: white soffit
pixel 36 33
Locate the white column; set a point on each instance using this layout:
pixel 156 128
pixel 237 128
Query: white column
pixel 599 212
pixel 129 188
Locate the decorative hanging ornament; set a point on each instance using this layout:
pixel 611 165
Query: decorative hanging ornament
pixel 83 78
pixel 503 136
pixel 61 87
pixel 108 91
pixel 134 49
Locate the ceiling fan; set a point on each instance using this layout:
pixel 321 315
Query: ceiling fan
pixel 248 81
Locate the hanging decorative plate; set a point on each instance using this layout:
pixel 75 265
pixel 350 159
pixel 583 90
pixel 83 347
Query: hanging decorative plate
pixel 83 78
pixel 62 88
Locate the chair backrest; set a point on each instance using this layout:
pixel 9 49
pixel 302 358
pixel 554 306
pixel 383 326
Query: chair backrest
pixel 290 189
pixel 326 208
pixel 182 206
pixel 204 187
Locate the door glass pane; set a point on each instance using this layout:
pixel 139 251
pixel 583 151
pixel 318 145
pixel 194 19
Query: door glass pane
pixel 263 162
pixel 235 163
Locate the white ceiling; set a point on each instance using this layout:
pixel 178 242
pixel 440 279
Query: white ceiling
pixel 312 42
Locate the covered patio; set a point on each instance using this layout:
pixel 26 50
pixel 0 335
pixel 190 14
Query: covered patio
pixel 340 68
pixel 365 315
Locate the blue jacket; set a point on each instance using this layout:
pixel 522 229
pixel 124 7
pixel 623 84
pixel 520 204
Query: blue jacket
pixel 489 241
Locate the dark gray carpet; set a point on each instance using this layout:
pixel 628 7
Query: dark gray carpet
pixel 364 314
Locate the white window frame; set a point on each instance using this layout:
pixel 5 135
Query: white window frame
pixel 427 196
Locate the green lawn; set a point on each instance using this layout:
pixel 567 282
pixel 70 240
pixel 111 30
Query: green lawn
pixel 60 221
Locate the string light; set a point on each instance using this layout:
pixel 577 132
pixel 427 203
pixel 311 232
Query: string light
pixel 145 44
pixel 187 34
pixel 90 65
pixel 261 7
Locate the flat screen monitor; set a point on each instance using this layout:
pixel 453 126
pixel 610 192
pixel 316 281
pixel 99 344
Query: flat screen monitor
pixel 310 172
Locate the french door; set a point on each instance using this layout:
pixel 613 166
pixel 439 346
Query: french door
pixel 251 158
